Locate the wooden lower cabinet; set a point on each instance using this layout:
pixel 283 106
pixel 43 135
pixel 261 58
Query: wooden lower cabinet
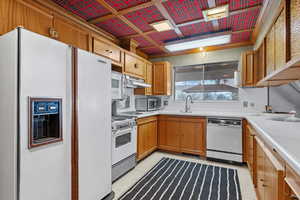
pixel 146 136
pixel 270 174
pixel 250 154
pixel 182 134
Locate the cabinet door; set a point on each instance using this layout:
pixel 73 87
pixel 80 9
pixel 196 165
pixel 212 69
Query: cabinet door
pixel 69 33
pixel 14 14
pixel 149 79
pixel 270 51
pixel 134 66
pixel 147 137
pixel 295 28
pixel 169 134
pixel 280 38
pixel 162 78
pixel 261 62
pixel 193 136
pixel 273 181
pixel 260 167
pixel 107 50
pixel 248 68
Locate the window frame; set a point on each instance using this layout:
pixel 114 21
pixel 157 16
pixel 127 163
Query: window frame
pixel 199 101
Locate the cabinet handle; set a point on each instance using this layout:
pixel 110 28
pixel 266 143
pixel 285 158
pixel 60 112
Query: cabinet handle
pixel 109 51
pixel 261 179
pixel 53 33
pixel 136 65
pixel 264 185
pixel 294 197
pixel 274 150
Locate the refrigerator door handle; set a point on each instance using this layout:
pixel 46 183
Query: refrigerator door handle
pixel 101 61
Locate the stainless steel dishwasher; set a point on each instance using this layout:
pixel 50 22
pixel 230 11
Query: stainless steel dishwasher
pixel 224 139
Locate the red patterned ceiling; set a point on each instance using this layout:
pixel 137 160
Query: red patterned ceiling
pixel 185 10
pixel 144 17
pixel 122 4
pixel 116 27
pixel 87 9
pixel 241 21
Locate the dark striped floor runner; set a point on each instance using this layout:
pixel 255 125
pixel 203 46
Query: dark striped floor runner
pixel 172 179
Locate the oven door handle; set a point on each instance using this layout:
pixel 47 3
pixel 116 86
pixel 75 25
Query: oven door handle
pixel 122 132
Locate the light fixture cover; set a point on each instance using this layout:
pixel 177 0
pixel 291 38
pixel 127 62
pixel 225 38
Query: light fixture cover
pixel 216 13
pixel 162 26
pixel 204 42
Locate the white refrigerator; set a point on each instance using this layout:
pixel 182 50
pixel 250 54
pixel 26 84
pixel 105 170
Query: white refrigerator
pixel 38 108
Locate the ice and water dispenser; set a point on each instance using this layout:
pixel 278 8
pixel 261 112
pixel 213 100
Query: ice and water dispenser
pixel 45 121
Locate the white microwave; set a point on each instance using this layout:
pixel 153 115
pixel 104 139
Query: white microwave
pixel 116 85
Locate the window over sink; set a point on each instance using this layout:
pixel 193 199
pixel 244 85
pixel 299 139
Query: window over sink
pixel 206 82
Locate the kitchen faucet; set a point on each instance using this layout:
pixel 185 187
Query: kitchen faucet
pixel 187 104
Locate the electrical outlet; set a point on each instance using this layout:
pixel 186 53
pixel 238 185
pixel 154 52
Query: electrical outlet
pixel 252 104
pixel 245 104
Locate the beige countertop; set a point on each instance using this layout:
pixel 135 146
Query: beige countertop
pixel 282 136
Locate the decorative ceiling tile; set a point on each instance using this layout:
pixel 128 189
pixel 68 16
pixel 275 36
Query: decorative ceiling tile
pixel 142 41
pixel 241 37
pixel 242 21
pixel 239 4
pixel 122 4
pixel 144 17
pixel 86 9
pixel 161 37
pixel 116 27
pixel 153 51
pixel 195 29
pixel 185 10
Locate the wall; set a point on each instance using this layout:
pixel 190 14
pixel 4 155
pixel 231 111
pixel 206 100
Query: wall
pixel 256 97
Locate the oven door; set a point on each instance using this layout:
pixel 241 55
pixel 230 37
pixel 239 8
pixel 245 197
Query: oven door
pixel 123 144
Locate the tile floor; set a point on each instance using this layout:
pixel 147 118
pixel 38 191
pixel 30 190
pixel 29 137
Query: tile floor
pixel 125 182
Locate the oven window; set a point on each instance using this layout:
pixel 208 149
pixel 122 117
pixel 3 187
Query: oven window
pixel 115 83
pixel 123 139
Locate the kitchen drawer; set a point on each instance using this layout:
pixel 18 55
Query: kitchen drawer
pixel 134 66
pixel 107 50
pixel 292 179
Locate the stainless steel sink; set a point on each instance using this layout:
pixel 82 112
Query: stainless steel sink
pixel 285 119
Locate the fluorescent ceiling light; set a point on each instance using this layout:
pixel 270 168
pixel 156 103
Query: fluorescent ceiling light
pixel 216 13
pixel 162 26
pixel 204 42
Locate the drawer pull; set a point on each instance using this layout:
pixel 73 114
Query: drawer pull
pixel 136 65
pixel 294 197
pixel 264 185
pixel 274 150
pixel 109 51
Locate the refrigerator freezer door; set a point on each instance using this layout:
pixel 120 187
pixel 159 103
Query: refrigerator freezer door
pixel 44 171
pixel 94 126
pixel 8 115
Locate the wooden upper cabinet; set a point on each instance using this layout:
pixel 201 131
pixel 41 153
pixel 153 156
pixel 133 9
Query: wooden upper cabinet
pixel 280 41
pixel 71 34
pixel 108 50
pixel 162 78
pixel 147 136
pixel 270 51
pixel 260 59
pixel 148 79
pixel 134 66
pixel 14 14
pixel 248 68
pixel 295 28
pixel 193 136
